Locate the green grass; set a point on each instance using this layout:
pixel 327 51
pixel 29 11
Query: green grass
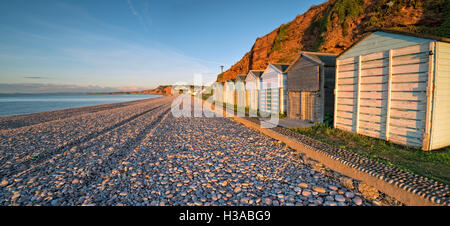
pixel 432 164
pixel 342 10
pixel 281 37
pixel 443 30
pixel 435 6
pixel 206 96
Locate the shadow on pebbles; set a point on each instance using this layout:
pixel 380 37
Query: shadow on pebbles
pixel 142 155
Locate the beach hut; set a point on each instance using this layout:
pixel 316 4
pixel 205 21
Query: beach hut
pixel 396 86
pixel 252 87
pixel 311 85
pixel 230 92
pixel 218 89
pixel 241 97
pixel 273 95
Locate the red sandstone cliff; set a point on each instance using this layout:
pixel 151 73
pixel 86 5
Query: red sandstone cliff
pixel 335 25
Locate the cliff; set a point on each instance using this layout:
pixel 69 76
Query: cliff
pixel 160 90
pixel 335 25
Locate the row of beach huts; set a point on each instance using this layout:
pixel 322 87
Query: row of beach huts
pixel 389 85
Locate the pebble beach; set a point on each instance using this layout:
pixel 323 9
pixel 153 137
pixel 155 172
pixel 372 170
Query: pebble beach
pixel 139 154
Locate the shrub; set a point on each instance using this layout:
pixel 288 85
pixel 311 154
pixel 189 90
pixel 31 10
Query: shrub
pixel 328 120
pixel 281 37
pixel 343 10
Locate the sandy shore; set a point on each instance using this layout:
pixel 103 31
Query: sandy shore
pixel 140 154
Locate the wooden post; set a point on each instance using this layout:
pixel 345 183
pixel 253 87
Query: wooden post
pixel 388 110
pixel 426 146
pixel 303 104
pixel 281 100
pixel 359 93
pixel 321 99
pixel 336 82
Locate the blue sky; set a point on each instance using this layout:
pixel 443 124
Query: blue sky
pixel 108 45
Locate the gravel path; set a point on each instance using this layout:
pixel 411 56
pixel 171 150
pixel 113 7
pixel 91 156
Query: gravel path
pixel 139 154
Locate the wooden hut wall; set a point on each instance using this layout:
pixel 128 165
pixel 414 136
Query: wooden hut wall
pixel 440 120
pixel 384 94
pixel 305 76
pixel 240 94
pixel 270 91
pixel 307 100
pixel 252 90
pixel 328 90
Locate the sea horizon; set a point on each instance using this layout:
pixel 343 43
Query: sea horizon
pixel 24 103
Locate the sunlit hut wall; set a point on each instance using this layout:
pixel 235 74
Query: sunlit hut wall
pixel 396 86
pixel 252 87
pixel 241 96
pixel 311 81
pixel 230 92
pixel 273 95
pixel 218 92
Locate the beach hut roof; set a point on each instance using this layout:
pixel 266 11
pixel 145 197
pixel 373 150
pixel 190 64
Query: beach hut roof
pixel 391 31
pixel 281 67
pixel 326 59
pixel 241 77
pixel 257 73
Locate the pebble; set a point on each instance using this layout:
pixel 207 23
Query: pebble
pixel 357 200
pixel 140 154
pixel 334 188
pixel 15 196
pixel 332 204
pixel 4 183
pixel 319 189
pixel 306 193
pixel 349 195
pixel 303 185
pixel 339 198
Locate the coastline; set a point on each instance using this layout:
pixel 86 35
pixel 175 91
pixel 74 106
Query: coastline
pixel 17 121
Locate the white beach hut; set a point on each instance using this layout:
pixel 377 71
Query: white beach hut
pixel 218 91
pixel 230 92
pixel 273 95
pixel 252 86
pixel 241 97
pixel 396 86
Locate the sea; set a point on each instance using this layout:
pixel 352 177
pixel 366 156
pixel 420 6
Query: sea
pixel 17 104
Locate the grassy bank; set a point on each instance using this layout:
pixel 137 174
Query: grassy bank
pixel 433 164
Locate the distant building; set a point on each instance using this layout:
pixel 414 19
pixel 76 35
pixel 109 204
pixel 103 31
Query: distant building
pixel 311 85
pixel 396 86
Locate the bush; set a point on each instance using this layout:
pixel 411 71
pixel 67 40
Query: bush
pixel 343 10
pixel 328 120
pixel 281 37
